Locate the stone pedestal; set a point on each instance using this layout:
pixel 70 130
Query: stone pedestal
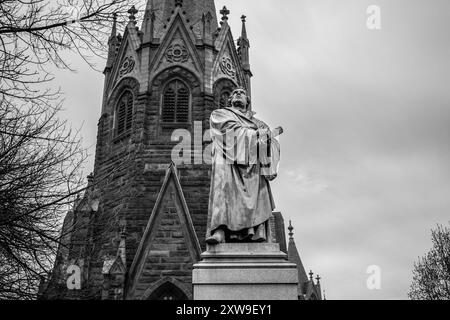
pixel 248 271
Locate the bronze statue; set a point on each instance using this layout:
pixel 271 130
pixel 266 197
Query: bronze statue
pixel 245 159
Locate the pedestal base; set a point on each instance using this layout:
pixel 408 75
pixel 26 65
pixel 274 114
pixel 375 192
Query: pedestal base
pixel 248 271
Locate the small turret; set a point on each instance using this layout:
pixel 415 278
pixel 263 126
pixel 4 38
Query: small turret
pixel 244 45
pixel 207 19
pixel 244 53
pixel 113 43
pixel 318 287
pixel 149 22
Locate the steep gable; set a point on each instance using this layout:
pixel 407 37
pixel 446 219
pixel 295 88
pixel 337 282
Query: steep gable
pixel 193 10
pixel 169 246
pixel 127 62
pixel 294 257
pixel 227 63
pixel 177 48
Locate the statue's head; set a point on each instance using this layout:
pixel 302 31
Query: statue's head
pixel 239 99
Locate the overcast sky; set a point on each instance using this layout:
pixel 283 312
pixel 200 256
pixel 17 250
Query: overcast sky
pixel 365 172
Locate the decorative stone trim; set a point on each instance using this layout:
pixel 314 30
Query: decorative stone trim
pixel 227 67
pixel 177 53
pixel 127 66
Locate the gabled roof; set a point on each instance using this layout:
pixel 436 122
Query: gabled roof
pixel 294 257
pixel 178 29
pixel 224 43
pixel 128 49
pixel 117 265
pixel 312 291
pixel 171 187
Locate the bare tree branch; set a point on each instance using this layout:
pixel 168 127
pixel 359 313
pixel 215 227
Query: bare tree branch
pixel 41 157
pixel 431 274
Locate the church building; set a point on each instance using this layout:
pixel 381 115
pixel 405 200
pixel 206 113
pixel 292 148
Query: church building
pixel 141 224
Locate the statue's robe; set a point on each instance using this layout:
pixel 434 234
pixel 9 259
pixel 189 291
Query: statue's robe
pixel 241 200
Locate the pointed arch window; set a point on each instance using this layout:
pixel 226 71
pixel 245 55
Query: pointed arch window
pixel 168 291
pixel 176 101
pixel 124 114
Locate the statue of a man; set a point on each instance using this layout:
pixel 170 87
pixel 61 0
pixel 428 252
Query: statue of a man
pixel 245 158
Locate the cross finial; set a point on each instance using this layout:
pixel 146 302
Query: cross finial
pixel 224 12
pixel 311 275
pixel 178 3
pixel 291 229
pixel 133 11
pixel 318 279
pixel 243 18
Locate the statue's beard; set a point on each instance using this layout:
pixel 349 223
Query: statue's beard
pixel 239 104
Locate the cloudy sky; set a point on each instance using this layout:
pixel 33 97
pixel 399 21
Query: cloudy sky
pixel 365 172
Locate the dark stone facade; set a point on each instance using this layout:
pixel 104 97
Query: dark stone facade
pixel 141 224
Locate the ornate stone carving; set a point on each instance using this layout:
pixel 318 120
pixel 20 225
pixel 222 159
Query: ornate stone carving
pixel 177 53
pixel 227 66
pixel 127 66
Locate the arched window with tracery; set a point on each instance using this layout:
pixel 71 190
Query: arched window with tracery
pixel 124 113
pixel 175 104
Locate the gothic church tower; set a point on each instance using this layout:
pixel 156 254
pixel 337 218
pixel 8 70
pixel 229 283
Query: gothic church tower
pixel 141 224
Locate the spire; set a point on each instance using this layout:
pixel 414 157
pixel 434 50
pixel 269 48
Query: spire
pixel 243 46
pixel 148 25
pixel 244 29
pixel 113 43
pixel 207 32
pixel 192 10
pixel 244 53
pixel 318 288
pixel 114 27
